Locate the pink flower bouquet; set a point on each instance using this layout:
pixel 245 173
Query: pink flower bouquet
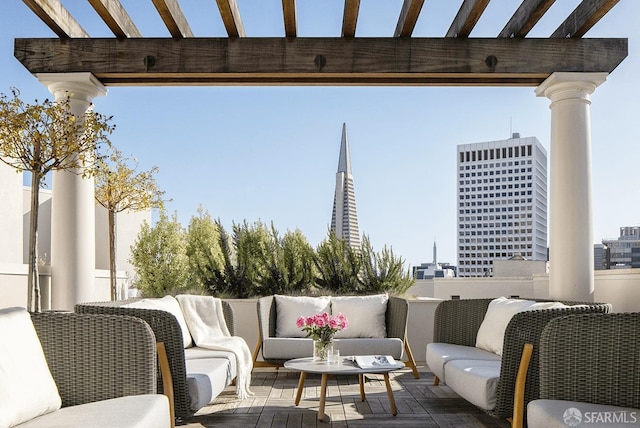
pixel 322 326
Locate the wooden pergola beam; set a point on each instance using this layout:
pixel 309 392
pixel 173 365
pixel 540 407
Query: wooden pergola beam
pixel 290 20
pixel 408 18
pixel 583 17
pixel 116 18
pixel 231 17
pixel 56 17
pixel 350 17
pixel 525 17
pixel 466 18
pixel 321 61
pixel 173 18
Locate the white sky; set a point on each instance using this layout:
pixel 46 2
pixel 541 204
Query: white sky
pixel 271 153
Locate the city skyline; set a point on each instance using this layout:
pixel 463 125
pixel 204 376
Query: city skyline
pixel 267 152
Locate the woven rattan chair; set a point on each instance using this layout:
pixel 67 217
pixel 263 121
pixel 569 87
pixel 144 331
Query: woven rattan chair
pixel 457 322
pixel 591 359
pixel 167 330
pixel 98 357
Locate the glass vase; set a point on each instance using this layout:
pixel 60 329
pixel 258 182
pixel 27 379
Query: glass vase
pixel 322 349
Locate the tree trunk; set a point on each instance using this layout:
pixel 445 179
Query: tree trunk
pixel 112 255
pixel 33 278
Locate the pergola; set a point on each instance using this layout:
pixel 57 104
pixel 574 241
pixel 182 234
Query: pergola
pixel 565 67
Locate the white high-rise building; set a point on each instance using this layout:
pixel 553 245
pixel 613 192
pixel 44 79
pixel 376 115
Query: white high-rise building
pixel 502 203
pixel 344 219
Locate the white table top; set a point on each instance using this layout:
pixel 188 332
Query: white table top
pixel 345 366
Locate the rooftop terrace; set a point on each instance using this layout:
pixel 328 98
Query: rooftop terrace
pixel 419 403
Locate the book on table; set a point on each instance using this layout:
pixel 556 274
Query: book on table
pixel 375 361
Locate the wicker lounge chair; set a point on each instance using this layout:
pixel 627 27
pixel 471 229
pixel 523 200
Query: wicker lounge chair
pixel 166 329
pixel 104 368
pixel 458 321
pixel 590 363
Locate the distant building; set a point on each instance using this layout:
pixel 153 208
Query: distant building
pixel 600 257
pixel 623 252
pixel 344 219
pixel 434 269
pixel 502 203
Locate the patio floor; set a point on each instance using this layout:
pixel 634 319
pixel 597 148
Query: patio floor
pixel 419 403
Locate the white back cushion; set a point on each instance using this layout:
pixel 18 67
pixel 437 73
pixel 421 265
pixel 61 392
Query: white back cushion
pixel 167 304
pixel 365 314
pixel 27 389
pixel 289 309
pixel 491 333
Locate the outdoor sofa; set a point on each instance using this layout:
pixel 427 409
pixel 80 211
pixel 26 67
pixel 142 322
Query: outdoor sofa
pixel 199 375
pixel 589 372
pixel 65 369
pixel 486 378
pixel 377 326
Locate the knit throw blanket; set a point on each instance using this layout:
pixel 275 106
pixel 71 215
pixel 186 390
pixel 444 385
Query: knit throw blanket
pixel 208 329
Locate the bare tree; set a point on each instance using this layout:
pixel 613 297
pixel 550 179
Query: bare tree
pixel 119 188
pixel 43 137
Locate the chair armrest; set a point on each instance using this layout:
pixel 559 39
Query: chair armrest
pixel 266 317
pixel 396 317
pixel 97 357
pixel 458 321
pixel 527 327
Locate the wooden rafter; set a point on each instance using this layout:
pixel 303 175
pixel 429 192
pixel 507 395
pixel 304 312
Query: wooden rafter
pixel 347 61
pixel 408 17
pixel 173 18
pixel 467 17
pixel 585 16
pixel 56 17
pixel 525 17
pixel 116 18
pixel 231 17
pixel 350 17
pixel 290 21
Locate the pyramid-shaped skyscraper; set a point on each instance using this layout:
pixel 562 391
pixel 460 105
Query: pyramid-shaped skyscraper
pixel 344 219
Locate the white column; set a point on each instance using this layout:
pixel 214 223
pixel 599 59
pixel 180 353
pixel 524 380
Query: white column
pixel 73 242
pixel 570 205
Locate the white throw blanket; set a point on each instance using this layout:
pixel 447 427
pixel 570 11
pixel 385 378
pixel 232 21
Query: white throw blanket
pixel 208 328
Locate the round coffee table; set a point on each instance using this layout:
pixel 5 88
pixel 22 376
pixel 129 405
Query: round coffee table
pixel 345 366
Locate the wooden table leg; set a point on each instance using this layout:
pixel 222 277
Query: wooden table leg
pixel 303 377
pixel 361 382
pixel 392 401
pixel 323 395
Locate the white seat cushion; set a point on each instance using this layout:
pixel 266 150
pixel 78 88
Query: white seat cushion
pixel 439 354
pixel 286 348
pixel 474 380
pixel 206 379
pixel 27 389
pixel 135 411
pixel 561 414
pixel 282 348
pixel 195 353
